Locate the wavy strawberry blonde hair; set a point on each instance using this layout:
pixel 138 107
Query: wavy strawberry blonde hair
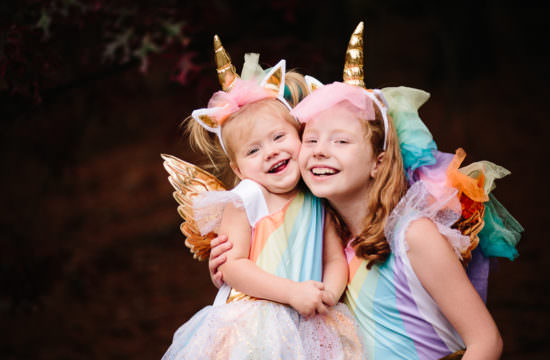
pixel 387 188
pixel 208 143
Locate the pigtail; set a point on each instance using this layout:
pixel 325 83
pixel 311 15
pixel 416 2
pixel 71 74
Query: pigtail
pixel 208 144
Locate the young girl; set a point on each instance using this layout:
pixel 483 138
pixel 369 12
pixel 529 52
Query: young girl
pixel 284 246
pixel 407 287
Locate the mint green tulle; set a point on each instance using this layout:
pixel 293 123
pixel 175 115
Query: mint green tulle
pixel 251 67
pixel 501 232
pixel 416 141
pixel 491 171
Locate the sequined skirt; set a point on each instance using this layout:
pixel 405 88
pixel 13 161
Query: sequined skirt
pixel 248 329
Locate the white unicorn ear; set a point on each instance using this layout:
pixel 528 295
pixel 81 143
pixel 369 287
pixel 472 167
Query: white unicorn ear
pixel 312 83
pixel 205 118
pixel 275 79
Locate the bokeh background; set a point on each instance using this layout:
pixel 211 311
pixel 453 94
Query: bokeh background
pixel 92 91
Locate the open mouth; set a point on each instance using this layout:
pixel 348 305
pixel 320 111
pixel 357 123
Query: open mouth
pixel 323 171
pixel 278 167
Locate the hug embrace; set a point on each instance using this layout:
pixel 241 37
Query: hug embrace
pixel 347 234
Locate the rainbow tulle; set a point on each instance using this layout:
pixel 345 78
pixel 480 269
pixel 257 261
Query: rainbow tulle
pixel 416 141
pixel 500 232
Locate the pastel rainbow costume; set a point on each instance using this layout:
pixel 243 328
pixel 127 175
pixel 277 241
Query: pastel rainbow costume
pixel 286 243
pixel 397 317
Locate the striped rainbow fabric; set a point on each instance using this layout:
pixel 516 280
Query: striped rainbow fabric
pixel 289 242
pixel 397 317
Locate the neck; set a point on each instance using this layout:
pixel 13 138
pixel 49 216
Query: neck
pixel 275 202
pixel 352 211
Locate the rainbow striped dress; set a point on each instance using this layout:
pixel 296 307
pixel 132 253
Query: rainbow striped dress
pixel 287 243
pixel 397 316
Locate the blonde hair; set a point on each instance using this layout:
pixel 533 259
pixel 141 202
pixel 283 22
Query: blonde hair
pixel 385 191
pixel 209 144
pixel 297 86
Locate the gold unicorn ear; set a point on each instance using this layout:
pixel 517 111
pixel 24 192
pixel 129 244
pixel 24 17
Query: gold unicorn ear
pixel 353 68
pixel 226 70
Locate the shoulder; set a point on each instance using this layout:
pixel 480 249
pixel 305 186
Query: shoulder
pixel 253 200
pixel 424 240
pixel 232 209
pixel 418 228
pixel 234 220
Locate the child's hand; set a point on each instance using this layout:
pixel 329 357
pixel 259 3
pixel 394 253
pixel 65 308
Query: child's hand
pixel 307 298
pixel 219 247
pixel 329 298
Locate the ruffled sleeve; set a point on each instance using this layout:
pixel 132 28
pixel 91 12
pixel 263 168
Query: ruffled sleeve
pixel 443 208
pixel 208 207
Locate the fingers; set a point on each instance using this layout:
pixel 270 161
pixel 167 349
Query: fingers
pixel 319 285
pixel 217 258
pixel 217 279
pixel 215 275
pixel 215 263
pixel 321 309
pixel 220 249
pixel 218 240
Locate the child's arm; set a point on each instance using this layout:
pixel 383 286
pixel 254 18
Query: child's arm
pixel 335 266
pixel 242 274
pixel 442 275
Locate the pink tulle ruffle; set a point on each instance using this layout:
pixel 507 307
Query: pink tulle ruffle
pixel 243 92
pixel 327 96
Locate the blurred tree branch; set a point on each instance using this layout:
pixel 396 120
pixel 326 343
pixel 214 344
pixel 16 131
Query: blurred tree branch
pixel 51 43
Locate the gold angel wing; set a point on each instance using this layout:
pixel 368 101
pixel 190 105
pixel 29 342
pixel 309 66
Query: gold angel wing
pixel 189 181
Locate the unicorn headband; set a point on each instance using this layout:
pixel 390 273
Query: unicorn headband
pixel 237 92
pixel 323 97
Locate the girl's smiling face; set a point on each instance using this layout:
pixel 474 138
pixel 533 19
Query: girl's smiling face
pixel 268 153
pixel 337 161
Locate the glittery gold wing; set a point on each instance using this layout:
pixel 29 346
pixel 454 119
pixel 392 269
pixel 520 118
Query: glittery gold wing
pixel 189 181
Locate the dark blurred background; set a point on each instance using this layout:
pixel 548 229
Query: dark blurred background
pixel 92 91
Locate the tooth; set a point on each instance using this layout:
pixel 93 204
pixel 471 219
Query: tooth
pixel 277 165
pixel 323 171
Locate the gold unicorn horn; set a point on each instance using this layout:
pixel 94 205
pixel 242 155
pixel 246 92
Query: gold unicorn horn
pixel 226 70
pixel 353 68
